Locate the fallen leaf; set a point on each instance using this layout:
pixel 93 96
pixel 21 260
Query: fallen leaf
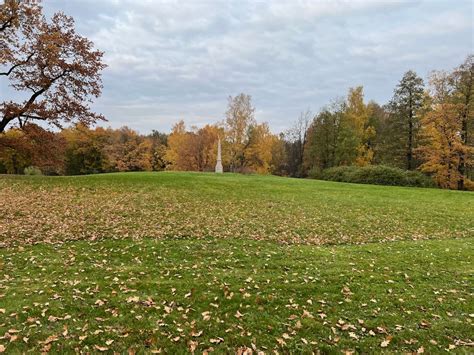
pixel 133 299
pixel 101 348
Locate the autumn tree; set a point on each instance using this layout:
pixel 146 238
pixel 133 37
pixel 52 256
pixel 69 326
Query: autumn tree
pixel 259 149
pixel 55 69
pixel 462 80
pixel 193 150
pixel 240 116
pixel 31 146
pixel 205 146
pixel 356 134
pixel 18 20
pixel 279 164
pixel 85 150
pixel 127 150
pixel 443 145
pixel 177 151
pixel 15 152
pixel 405 108
pixel 159 144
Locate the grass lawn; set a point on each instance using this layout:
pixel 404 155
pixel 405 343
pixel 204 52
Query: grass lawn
pixel 42 209
pixel 175 262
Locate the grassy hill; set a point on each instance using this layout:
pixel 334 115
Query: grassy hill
pixel 183 261
pixel 201 205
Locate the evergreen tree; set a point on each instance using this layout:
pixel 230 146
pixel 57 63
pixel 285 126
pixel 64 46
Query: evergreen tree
pixel 404 118
pixel 323 136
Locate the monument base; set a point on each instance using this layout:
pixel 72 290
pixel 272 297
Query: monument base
pixel 219 169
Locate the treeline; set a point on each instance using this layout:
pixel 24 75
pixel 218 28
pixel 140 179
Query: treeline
pixel 80 150
pixel 427 128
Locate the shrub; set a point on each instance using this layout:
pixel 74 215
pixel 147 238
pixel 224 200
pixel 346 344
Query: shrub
pixel 32 170
pixel 375 174
pixel 469 185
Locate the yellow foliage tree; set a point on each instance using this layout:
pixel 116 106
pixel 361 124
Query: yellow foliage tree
pixel 354 145
pixel 239 119
pixel 258 152
pixel 194 150
pixel 441 131
pixel 177 153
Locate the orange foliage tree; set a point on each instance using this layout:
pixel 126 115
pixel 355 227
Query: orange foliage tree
pixel 194 150
pixel 443 144
pixel 57 70
pixel 31 146
pixel 128 151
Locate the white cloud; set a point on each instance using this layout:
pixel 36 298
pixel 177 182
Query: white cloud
pixel 171 60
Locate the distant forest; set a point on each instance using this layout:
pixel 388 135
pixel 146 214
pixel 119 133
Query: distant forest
pixel 426 127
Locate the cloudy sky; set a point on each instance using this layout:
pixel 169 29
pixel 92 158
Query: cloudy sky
pixel 171 60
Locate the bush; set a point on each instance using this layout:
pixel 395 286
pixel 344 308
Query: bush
pixel 32 170
pixel 374 174
pixel 469 185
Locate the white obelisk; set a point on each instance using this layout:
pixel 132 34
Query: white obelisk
pixel 219 169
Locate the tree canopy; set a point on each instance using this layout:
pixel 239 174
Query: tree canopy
pixel 57 71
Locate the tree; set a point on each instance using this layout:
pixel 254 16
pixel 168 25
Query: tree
pixel 355 137
pixel 16 17
pixel 463 81
pixel 159 144
pixel 57 70
pixel 239 118
pixel 405 108
pixel 279 163
pixel 297 137
pixel 15 152
pixel 443 145
pixel 178 149
pixel 382 143
pixel 194 150
pixel 31 146
pixel 85 150
pixel 126 150
pixel 323 137
pixel 258 152
pixel 204 141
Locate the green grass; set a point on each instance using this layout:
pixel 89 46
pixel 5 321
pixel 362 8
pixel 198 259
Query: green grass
pixel 37 209
pixel 176 261
pixel 152 294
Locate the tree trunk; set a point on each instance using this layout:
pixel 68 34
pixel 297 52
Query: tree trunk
pixel 410 142
pixel 464 139
pixel 3 123
pixel 462 160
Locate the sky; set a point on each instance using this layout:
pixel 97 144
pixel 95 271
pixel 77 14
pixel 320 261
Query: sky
pixel 172 60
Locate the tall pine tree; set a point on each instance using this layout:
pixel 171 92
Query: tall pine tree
pixel 404 119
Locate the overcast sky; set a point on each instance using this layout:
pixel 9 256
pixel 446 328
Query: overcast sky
pixel 171 60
